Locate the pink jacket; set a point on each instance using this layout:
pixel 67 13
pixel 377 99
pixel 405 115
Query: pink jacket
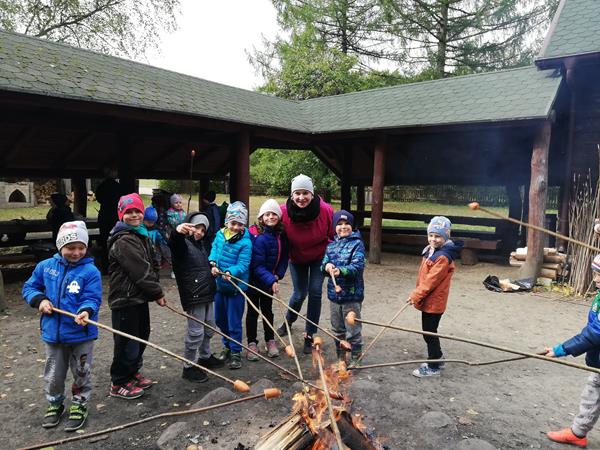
pixel 308 240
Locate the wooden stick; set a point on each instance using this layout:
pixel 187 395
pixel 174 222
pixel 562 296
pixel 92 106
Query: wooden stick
pixel 239 385
pixel 476 206
pixel 460 361
pixel 216 330
pixel 383 330
pixel 334 427
pixel 343 343
pixel 267 393
pixel 293 348
pixel 337 288
pixel 349 318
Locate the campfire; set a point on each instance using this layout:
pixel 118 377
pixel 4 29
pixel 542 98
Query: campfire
pixel 322 417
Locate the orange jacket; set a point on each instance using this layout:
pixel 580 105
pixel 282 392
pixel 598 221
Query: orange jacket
pixel 433 280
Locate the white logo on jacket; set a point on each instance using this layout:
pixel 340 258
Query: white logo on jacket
pixel 73 287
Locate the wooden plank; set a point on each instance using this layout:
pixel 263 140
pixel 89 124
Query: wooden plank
pixel 421 241
pixel 425 218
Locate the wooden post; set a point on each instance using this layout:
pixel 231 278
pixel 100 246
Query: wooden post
pixel 538 194
pixel 2 293
pixel 509 231
pixel 241 170
pixel 360 204
pixel 125 165
pixel 79 196
pixel 346 191
pixel 377 203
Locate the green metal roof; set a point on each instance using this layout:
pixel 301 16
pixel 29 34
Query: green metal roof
pixel 41 67
pixel 575 30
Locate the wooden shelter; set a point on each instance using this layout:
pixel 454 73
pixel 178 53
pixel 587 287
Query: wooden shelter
pixel 68 112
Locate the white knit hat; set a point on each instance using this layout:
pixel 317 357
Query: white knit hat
pixel 270 205
pixel 69 232
pixel 303 182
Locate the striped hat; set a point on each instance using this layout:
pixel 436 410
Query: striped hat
pixel 596 264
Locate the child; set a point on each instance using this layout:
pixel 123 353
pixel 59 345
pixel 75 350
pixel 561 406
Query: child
pixel 70 281
pixel 433 285
pixel 588 342
pixel 196 292
pixel 231 253
pixel 133 282
pixel 161 247
pixel 345 260
pixel 268 266
pixel 176 213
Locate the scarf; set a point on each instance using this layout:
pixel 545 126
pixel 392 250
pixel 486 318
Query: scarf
pixel 140 229
pixel 301 215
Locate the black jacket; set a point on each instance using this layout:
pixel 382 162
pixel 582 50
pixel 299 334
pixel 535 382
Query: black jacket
pixel 132 270
pixel 192 271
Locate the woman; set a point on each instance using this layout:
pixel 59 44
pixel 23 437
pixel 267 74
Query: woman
pixel 308 224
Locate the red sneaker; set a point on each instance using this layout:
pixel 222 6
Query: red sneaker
pixel 127 391
pixel 567 436
pixel 141 381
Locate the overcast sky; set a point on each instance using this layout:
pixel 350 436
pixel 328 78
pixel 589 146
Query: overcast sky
pixel 212 38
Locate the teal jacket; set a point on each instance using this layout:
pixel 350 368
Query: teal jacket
pixel 233 256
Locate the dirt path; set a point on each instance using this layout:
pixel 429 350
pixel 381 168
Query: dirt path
pixel 509 405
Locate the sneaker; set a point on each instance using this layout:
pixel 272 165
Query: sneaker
pixel 235 361
pixel 355 359
pixel 272 350
pixel 282 330
pixel 425 371
pixel 128 391
pixel 223 355
pixel 194 374
pixel 308 347
pixel 211 362
pixel 566 436
pixel 53 415
pixel 251 356
pixel 142 382
pixel 77 415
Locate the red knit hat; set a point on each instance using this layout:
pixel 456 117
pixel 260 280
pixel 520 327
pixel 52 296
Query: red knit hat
pixel 130 201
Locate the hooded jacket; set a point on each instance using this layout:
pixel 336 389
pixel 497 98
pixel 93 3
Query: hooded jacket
pixel 269 257
pixel 132 269
pixel 308 240
pixel 233 256
pixel 588 341
pixel 433 280
pixel 72 287
pixel 348 255
pixel 195 283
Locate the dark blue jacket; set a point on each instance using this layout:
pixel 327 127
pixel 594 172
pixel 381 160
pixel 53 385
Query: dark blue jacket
pixel 348 255
pixel 270 255
pixel 588 341
pixel 72 287
pixel 233 256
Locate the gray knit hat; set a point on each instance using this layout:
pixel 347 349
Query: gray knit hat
pixel 303 182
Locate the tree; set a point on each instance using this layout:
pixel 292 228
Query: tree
pixel 119 27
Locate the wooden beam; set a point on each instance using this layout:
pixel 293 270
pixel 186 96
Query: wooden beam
pixel 538 194
pixel 346 180
pixel 80 196
pixel 360 205
pixel 377 202
pixel 22 138
pixel 125 165
pixel 83 143
pixel 241 169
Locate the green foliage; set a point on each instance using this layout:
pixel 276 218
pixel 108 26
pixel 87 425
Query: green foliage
pixel 182 187
pixel 118 27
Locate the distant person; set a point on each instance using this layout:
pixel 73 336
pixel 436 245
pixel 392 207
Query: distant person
pixel 213 212
pixel 176 214
pixel 345 260
pixel 308 225
pixel 433 286
pixel 59 213
pixel 70 281
pixel 588 342
pixel 161 246
pixel 108 193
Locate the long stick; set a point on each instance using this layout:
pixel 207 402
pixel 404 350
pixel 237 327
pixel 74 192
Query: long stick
pixel 289 333
pixel 343 343
pixel 266 394
pixel 350 318
pixel 476 206
pixel 219 332
pixel 383 330
pixel 460 361
pixel 192 154
pixel 334 427
pixel 237 384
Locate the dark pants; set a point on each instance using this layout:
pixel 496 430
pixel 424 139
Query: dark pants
pixel 128 354
pixel 265 304
pixel 430 322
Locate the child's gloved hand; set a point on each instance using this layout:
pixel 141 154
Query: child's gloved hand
pixel 82 318
pixel 45 306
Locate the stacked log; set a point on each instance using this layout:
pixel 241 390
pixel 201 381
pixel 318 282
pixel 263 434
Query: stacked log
pixel 554 264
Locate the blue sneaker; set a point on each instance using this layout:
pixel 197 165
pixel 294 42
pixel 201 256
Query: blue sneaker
pixel 426 371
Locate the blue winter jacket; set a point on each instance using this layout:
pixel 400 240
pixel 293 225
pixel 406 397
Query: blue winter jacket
pixel 233 256
pixel 72 287
pixel 348 255
pixel 588 341
pixel 270 255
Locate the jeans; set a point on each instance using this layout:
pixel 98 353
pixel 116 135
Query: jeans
pixel 307 279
